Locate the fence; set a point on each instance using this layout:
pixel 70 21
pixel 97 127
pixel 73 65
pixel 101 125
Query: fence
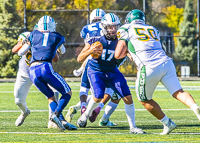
pixel 70 23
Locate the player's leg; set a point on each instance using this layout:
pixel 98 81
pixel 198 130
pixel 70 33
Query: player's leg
pixel 43 74
pixel 171 82
pixel 50 123
pixel 147 80
pixel 21 89
pixel 97 88
pixel 97 110
pixel 59 83
pixel 109 109
pixel 84 88
pixel 119 85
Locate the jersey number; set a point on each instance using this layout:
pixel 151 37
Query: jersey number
pixel 110 52
pixel 145 37
pixel 93 26
pixel 45 39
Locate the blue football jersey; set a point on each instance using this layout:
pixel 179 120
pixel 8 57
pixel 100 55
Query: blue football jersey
pixel 44 45
pixel 88 31
pixel 106 62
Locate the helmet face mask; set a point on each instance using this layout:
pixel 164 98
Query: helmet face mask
pixel 96 15
pixel 135 15
pixel 110 24
pixel 46 23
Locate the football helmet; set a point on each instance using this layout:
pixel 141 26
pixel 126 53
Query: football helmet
pixel 110 24
pixel 35 27
pixel 96 15
pixel 135 15
pixel 46 23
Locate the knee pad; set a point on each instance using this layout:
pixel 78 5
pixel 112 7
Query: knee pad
pixel 83 91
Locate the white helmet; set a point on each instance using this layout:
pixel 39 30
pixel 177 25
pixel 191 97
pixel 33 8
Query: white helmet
pixel 110 24
pixel 46 23
pixel 96 15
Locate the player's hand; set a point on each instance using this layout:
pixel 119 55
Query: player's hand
pixel 95 50
pixel 77 72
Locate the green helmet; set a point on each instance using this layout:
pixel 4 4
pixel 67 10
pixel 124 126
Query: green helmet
pixel 135 15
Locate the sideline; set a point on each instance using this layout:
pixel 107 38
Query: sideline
pixel 78 79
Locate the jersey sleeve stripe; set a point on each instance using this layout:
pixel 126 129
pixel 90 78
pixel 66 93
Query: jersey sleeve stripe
pixel 124 29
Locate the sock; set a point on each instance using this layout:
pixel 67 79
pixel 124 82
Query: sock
pixel 91 106
pixel 23 107
pixel 109 109
pixel 130 113
pixel 62 103
pixel 164 120
pixel 194 108
pixel 61 117
pixel 56 94
pixel 83 104
pixel 88 98
pixel 53 105
pixel 101 105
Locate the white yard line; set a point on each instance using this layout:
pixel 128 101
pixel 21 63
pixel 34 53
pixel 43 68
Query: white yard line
pixel 41 133
pixel 101 110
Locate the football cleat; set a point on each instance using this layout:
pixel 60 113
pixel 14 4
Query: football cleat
pixel 82 121
pixel 52 125
pixel 56 120
pixel 83 109
pixel 106 123
pixel 70 114
pixel 21 118
pixel 68 125
pixel 168 128
pixel 135 130
pixel 94 114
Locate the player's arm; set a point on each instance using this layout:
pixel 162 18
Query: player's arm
pixel 56 58
pixel 17 47
pixel 24 48
pixel 87 50
pixel 129 56
pixel 61 49
pixel 121 49
pixel 78 72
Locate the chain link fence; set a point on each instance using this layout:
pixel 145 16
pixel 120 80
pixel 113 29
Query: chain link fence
pixel 70 23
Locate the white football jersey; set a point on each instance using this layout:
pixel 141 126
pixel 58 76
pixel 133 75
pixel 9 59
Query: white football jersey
pixel 23 66
pixel 143 44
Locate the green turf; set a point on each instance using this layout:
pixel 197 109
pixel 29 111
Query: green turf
pixel 35 128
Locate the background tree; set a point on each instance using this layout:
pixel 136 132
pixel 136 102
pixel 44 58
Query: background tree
pixel 186 49
pixel 8 19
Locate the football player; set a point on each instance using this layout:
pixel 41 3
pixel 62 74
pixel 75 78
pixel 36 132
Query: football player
pixel 44 43
pixel 142 41
pixel 87 32
pixel 23 83
pixel 102 72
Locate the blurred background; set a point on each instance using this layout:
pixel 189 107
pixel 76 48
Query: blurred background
pixel 177 21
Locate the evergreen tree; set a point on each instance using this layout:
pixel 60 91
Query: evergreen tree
pixel 186 49
pixel 8 38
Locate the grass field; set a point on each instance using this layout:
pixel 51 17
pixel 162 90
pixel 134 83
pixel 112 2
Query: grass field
pixel 35 128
